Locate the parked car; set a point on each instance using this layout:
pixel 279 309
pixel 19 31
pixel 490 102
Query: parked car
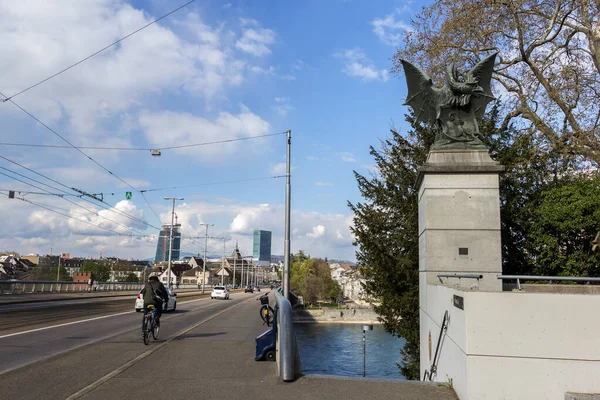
pixel 248 289
pixel 220 292
pixel 170 306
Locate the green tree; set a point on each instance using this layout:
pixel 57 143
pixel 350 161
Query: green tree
pixel 131 277
pixel 311 279
pixel 101 272
pixel 548 60
pixel 386 232
pixel 49 274
pixel 566 222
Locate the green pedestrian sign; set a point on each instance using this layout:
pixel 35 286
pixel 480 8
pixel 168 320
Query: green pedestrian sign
pixel 128 195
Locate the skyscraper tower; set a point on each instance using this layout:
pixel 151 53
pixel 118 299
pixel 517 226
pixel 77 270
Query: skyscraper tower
pixel 162 247
pixel 262 246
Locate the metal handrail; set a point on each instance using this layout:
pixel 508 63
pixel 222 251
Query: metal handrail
pixel 443 329
pixel 518 278
pixel 459 276
pixel 285 336
pixel 28 287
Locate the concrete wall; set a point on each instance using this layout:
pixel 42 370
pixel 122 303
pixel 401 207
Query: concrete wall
pixel 515 345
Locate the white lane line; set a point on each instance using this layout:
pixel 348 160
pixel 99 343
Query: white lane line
pixel 129 364
pixel 79 322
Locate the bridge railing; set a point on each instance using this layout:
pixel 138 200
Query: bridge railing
pixel 31 287
pixel 287 349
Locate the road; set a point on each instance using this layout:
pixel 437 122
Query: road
pixel 205 350
pixel 18 317
pixel 104 332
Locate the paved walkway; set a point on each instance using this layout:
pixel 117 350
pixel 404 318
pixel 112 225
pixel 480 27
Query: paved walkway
pixel 215 360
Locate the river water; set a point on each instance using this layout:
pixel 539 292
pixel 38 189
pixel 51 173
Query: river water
pixel 337 349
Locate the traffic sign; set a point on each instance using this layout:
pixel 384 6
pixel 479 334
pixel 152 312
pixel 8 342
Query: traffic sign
pixel 128 195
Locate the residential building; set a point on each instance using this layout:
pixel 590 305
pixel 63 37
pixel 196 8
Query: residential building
pixel 164 240
pixel 261 249
pixel 194 276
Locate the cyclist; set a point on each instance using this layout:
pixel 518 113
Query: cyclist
pixel 155 293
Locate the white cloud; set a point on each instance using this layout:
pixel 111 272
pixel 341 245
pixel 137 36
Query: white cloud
pixel 187 128
pixel 387 28
pixel 256 41
pixel 357 65
pixel 278 169
pixel 260 70
pixel 200 59
pixel 283 107
pixel 298 65
pixel 324 184
pixel 248 21
pixel 317 232
pixel 347 157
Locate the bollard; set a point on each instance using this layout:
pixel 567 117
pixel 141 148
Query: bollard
pixel 365 328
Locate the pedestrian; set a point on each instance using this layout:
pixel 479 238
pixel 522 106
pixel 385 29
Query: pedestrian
pixel 177 285
pixel 90 281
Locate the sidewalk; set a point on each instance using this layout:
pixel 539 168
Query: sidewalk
pixel 37 297
pixel 216 360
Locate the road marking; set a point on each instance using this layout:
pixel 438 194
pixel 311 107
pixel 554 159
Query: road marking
pixel 129 364
pixel 83 320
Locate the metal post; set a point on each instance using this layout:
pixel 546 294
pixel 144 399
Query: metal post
pixel 223 263
pixel 365 328
pixel 242 277
pixel 286 246
pixel 170 244
pixel 171 237
pixel 364 352
pixel 234 264
pixel 58 272
pixel 204 261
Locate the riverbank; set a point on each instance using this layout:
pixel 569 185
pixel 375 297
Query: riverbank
pixel 336 316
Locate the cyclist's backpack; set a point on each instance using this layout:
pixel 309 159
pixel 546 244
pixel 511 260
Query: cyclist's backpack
pixel 156 297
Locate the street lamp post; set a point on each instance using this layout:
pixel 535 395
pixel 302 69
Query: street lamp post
pixel 204 261
pixel 286 245
pixel 223 264
pixel 171 236
pixel 58 272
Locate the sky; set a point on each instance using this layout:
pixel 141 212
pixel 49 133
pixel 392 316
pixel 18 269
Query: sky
pixel 213 71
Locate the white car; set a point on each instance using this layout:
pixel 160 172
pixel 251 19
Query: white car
pixel 220 292
pixel 170 306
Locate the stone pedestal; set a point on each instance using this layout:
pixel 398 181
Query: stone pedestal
pixel 459 219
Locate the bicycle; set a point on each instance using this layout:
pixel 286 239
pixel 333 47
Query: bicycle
pixel 149 325
pixel 266 311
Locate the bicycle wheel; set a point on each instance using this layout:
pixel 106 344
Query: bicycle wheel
pixel 266 314
pixel 155 329
pixel 145 336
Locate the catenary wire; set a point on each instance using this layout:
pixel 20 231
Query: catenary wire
pixel 95 213
pixel 102 204
pixel 57 146
pixel 99 51
pixel 89 157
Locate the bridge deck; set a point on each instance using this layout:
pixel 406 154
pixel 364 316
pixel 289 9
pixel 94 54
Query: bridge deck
pixel 216 360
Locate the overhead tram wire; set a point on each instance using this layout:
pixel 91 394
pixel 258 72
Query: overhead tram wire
pixel 182 146
pixel 167 188
pixel 102 204
pixel 72 202
pixel 89 157
pixel 68 216
pixel 99 51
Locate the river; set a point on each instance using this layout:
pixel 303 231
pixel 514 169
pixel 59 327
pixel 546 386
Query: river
pixel 337 349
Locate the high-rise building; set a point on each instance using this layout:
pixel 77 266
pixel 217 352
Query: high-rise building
pixel 262 246
pixel 164 238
